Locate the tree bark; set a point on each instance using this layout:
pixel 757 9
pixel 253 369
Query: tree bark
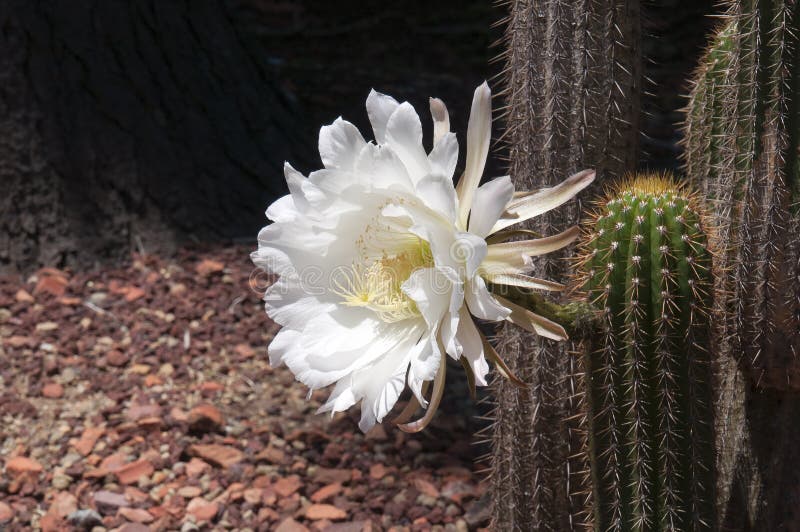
pixel 132 123
pixel 573 90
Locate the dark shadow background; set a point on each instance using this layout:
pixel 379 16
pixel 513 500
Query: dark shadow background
pixel 145 124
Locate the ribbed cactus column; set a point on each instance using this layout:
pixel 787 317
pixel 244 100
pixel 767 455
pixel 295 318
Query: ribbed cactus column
pixel 742 134
pixel 647 268
pixel 741 140
pixel 573 79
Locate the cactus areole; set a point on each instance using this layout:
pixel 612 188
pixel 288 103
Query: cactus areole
pixel 647 268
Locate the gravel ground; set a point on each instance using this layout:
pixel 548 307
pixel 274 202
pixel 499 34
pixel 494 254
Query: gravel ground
pixel 141 399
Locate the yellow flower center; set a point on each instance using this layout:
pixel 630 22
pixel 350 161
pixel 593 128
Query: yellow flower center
pixel 387 260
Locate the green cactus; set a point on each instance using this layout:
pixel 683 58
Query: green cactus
pixel 741 140
pixel 647 266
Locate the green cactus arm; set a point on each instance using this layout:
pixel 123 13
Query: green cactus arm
pixel 646 265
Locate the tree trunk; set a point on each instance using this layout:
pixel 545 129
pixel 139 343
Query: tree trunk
pixel 573 89
pixel 131 123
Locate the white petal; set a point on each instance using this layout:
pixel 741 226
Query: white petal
pixel 303 245
pixel 339 144
pixel 524 281
pixel 424 365
pixel 379 108
pixel 404 135
pixel 348 329
pixel 289 305
pixel 379 167
pixel 444 156
pixel 479 132
pixel 441 119
pixel 532 204
pixel 284 341
pixel 380 385
pixel 448 333
pixel 341 398
pixel 283 209
pixel 481 303
pixel 490 202
pixel 469 251
pixel 333 181
pixel 514 257
pixel 326 353
pixel 429 226
pixel 437 192
pixel 304 193
pixel 273 261
pixel 430 288
pixel 470 340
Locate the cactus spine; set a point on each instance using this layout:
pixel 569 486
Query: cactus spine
pixel 573 78
pixel 647 267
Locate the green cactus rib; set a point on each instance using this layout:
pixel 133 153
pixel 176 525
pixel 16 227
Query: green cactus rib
pixel 647 267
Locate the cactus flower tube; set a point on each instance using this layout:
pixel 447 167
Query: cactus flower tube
pixel 647 267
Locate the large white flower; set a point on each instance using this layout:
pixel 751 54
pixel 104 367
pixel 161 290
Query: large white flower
pixel 383 263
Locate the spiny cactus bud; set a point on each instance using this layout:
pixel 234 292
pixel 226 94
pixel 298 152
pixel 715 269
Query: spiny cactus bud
pixel 646 266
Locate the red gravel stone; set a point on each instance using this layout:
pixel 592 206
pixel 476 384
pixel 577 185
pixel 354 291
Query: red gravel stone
pixel 377 471
pixel 252 495
pixel 287 485
pixel 205 417
pixel 290 525
pixel 53 390
pixel 202 509
pixel 211 387
pixel 272 455
pixel 133 293
pixel 218 455
pixel 113 462
pixel 108 500
pixel 196 467
pixel 330 476
pixel 133 527
pixel 326 492
pixel 244 351
pixel 6 513
pixel 316 512
pixel 88 440
pixel 22 296
pixel 137 412
pixel 137 515
pixel 54 285
pixel 426 487
pixel 64 503
pixel 117 358
pixel 51 523
pixel 207 267
pixel 21 465
pixel 189 492
pixel 132 472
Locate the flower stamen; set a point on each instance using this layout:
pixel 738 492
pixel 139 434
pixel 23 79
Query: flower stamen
pixel 377 285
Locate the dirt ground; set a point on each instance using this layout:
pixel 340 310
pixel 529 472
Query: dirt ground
pixel 141 399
